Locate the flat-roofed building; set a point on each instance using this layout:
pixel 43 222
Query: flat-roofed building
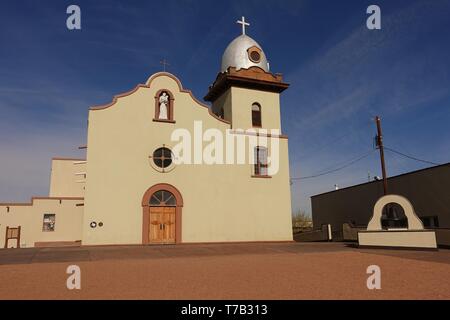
pixel 427 189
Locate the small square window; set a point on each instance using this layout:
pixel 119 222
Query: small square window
pixel 49 222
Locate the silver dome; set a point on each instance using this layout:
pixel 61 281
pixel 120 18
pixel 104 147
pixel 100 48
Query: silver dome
pixel 235 55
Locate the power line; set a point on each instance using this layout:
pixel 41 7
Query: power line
pixel 411 157
pixel 337 169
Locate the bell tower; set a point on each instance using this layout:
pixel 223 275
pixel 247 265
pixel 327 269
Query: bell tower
pixel 245 92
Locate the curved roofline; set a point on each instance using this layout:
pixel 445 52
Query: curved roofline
pixel 148 85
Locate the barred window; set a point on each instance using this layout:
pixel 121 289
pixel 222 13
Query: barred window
pixel 261 161
pixel 49 222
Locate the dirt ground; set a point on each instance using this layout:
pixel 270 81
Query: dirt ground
pixel 224 271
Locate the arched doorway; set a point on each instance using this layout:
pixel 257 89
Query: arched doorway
pixel 161 211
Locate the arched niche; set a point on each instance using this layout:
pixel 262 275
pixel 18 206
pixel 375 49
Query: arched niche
pixel 169 106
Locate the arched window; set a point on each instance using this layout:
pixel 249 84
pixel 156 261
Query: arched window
pixel 256 115
pixel 261 161
pixel 164 106
pixel 393 216
pixel 163 198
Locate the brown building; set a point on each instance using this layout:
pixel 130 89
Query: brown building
pixel 427 189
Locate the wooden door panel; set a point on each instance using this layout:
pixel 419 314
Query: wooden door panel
pixel 154 227
pixel 169 224
pixel 172 226
pixel 162 224
pixel 156 219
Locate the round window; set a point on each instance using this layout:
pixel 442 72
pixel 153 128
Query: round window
pixel 162 157
pixel 255 56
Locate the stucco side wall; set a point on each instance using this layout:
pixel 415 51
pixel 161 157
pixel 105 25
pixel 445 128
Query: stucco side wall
pixel 236 207
pixel 65 178
pixel 68 221
pixel 221 202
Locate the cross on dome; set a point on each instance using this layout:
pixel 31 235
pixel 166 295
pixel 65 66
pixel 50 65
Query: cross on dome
pixel 244 52
pixel 243 24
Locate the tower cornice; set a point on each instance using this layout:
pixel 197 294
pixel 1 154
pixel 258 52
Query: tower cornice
pixel 251 78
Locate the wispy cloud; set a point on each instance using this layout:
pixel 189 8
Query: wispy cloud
pixel 373 70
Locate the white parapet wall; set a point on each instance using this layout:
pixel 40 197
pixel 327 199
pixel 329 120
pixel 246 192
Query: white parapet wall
pixel 398 238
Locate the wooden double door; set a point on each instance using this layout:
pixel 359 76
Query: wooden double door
pixel 162 224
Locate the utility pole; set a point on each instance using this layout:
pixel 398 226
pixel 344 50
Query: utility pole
pixel 379 140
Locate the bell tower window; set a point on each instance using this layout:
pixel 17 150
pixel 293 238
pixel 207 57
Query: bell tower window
pixel 256 115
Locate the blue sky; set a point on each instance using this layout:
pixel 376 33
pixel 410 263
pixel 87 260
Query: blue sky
pixel 341 76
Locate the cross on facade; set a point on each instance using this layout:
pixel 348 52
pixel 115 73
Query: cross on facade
pixel 243 24
pixel 164 63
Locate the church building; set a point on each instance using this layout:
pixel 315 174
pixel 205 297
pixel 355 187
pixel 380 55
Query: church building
pixel 135 187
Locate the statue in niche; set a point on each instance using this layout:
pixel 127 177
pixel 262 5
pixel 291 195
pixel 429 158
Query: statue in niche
pixel 163 106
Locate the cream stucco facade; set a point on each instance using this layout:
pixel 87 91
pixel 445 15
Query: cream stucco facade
pixel 221 202
pixel 105 198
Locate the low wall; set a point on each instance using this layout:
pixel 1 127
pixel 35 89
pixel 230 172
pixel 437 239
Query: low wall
pixel 350 232
pixel 398 238
pixel 443 237
pixel 57 244
pixel 315 235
